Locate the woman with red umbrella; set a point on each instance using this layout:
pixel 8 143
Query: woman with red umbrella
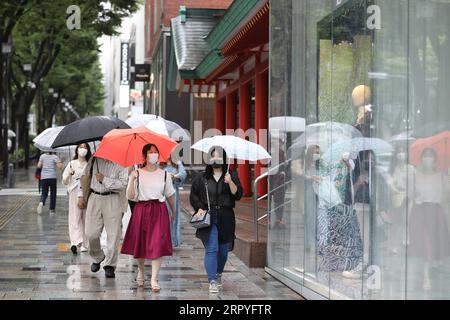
pixel 429 235
pixel 148 233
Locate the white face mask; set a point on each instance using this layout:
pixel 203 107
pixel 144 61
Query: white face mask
pixel 82 152
pixel 428 162
pixel 316 156
pixel 153 158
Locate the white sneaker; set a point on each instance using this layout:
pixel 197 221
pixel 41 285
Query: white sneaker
pixel 219 280
pixel 356 273
pixel 52 211
pixel 83 249
pixel 39 208
pixel 213 287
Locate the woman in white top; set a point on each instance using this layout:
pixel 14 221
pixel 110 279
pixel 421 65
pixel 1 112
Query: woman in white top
pixel 429 235
pixel 148 232
pixel 71 179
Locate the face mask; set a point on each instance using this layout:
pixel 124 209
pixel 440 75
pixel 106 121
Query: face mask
pixel 153 158
pixel 428 162
pixel 401 156
pixel 316 157
pixel 82 152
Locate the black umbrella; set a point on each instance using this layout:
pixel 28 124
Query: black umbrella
pixel 87 130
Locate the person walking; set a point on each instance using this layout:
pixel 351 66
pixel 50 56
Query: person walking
pixel 48 163
pixel 71 179
pixel 148 232
pixel 178 175
pixel 104 208
pixel 223 189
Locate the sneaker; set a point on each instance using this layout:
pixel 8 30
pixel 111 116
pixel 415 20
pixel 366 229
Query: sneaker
pixel 219 280
pixel 39 208
pixel 213 287
pixel 96 266
pixel 109 272
pixel 52 211
pixel 83 249
pixel 356 273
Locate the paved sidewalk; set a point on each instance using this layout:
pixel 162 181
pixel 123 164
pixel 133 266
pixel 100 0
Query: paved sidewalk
pixel 36 263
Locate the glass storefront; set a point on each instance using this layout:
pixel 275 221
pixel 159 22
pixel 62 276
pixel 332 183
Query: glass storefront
pixel 360 208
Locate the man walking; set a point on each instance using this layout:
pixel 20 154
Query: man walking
pixel 105 208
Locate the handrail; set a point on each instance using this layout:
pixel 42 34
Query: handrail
pixel 256 199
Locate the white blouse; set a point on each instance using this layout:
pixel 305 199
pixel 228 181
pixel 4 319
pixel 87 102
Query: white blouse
pixel 432 188
pixel 151 186
pixel 73 181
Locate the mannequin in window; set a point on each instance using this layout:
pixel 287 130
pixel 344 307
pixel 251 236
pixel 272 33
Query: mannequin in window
pixel 361 97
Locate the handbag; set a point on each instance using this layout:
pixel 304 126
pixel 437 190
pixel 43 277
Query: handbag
pixel 204 221
pixel 85 182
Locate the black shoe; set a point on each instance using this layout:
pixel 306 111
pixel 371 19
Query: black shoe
pixel 74 249
pixel 109 272
pixel 96 266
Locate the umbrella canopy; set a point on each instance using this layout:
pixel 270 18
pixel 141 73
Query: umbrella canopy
pixel 287 124
pixel 87 130
pixel 236 148
pixel 356 145
pixel 46 138
pixel 159 125
pixel 440 143
pixel 11 134
pixel 324 135
pixel 124 146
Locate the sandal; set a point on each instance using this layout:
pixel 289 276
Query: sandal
pixel 156 287
pixel 140 279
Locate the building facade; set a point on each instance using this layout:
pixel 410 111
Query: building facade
pixel 365 186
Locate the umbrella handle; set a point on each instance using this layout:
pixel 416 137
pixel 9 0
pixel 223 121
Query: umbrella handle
pixel 95 149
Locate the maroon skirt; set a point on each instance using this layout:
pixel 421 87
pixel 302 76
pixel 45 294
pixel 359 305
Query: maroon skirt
pixel 429 236
pixel 148 232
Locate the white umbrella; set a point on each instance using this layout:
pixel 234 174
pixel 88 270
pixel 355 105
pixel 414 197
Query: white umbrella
pixel 235 147
pixel 354 146
pixel 287 124
pixel 159 125
pixel 45 139
pixel 11 134
pixel 322 134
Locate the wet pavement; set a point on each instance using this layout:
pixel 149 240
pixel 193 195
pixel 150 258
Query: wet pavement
pixel 36 262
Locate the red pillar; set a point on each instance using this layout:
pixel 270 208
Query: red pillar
pixel 244 125
pixel 220 115
pixel 261 119
pixel 231 115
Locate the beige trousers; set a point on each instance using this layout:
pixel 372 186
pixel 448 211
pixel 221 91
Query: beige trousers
pixel 76 221
pixel 104 211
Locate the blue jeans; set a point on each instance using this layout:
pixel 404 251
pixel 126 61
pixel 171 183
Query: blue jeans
pixel 216 254
pixel 47 184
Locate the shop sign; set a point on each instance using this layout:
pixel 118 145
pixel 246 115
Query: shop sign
pixel 124 69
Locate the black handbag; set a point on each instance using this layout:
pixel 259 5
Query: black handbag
pixel 204 221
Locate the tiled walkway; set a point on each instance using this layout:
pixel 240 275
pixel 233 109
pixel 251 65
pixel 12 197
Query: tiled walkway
pixel 36 263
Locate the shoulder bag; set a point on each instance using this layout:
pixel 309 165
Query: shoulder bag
pixel 205 220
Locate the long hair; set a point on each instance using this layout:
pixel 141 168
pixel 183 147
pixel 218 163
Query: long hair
pixel 146 149
pixel 209 169
pixel 309 156
pixel 88 154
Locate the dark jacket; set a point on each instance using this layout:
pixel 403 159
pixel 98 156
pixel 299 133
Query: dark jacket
pixel 219 195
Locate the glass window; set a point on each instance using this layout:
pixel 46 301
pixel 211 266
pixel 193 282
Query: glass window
pixel 365 185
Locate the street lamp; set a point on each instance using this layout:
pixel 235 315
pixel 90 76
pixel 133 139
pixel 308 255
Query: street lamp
pixel 7 49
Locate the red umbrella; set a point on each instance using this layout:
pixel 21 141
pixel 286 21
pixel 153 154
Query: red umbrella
pixel 440 143
pixel 124 146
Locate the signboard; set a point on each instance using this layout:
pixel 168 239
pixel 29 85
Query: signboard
pixel 142 73
pixel 124 64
